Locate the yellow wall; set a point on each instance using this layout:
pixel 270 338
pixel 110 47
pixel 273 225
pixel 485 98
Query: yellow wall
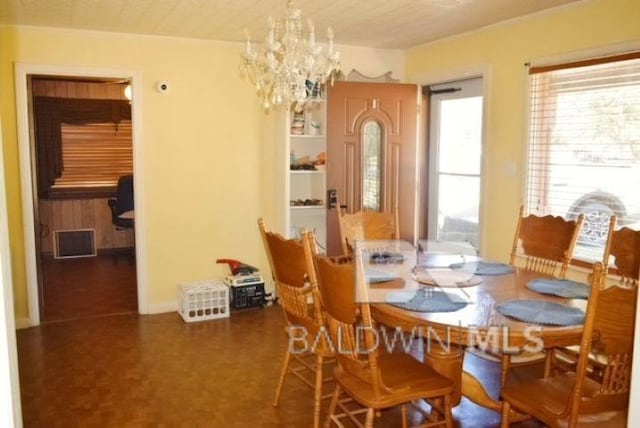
pixel 502 50
pixel 200 143
pixel 207 163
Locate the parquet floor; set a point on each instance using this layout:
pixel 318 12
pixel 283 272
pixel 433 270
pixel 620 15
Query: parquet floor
pixel 88 287
pixel 158 371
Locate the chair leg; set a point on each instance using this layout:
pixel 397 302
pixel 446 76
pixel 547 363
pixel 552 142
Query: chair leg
pixel 505 415
pixel 368 423
pixel 317 393
pixel 332 406
pixel 448 417
pixel 404 416
pixel 548 362
pixel 506 365
pixel 283 373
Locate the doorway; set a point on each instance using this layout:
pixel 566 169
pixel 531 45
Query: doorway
pixel 82 134
pixel 32 190
pixel 455 159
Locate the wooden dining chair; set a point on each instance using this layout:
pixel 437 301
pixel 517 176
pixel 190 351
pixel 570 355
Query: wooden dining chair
pixel 367 225
pixel 572 398
pixel 624 245
pixel 296 286
pixel 544 245
pixel 367 375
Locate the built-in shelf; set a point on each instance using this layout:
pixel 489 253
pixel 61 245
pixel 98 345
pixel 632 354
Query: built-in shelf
pixel 309 136
pixel 307 207
pixel 301 184
pixel 303 171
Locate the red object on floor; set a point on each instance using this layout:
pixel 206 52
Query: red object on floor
pixel 238 267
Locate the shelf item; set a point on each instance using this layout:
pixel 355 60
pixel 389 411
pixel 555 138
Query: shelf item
pixel 302 171
pixel 310 121
pixel 308 207
pixel 303 164
pixel 306 203
pixel 309 136
pixel 298 123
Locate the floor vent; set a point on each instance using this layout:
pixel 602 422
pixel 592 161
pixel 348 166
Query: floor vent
pixel 74 243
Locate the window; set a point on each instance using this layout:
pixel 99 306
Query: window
pixel 371 166
pixel 584 145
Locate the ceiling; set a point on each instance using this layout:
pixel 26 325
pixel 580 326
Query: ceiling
pixel 397 24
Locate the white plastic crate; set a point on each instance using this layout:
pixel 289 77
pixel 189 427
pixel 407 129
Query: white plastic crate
pixel 204 300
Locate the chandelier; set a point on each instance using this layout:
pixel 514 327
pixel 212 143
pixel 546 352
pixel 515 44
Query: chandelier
pixel 290 67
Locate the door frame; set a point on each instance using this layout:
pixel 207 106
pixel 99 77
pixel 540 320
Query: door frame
pixel 27 172
pixel 10 405
pixel 482 71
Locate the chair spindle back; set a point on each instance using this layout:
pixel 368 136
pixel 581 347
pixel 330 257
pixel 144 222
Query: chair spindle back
pixel 546 243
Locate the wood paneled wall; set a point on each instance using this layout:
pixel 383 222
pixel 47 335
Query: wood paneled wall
pixel 78 89
pixel 69 214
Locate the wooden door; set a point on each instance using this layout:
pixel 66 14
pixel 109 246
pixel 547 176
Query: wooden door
pixel 351 106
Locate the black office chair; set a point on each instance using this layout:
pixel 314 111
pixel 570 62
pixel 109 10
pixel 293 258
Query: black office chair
pixel 122 203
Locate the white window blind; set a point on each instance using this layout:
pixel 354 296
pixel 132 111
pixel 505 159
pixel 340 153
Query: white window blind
pixel 584 146
pixel 95 155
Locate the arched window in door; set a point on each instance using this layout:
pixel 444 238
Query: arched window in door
pixel 372 166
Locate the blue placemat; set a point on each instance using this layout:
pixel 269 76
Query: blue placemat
pixel 535 311
pixel 560 287
pixel 426 300
pixel 484 268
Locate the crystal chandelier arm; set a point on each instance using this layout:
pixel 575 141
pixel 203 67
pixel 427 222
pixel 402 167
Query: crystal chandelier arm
pixel 249 54
pixel 271 28
pixel 330 40
pixel 312 35
pixel 247 43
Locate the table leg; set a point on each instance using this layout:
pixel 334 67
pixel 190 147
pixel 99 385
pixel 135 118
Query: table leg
pixel 447 362
pixel 474 391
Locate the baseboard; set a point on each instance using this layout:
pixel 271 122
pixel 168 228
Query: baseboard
pixel 160 308
pixel 22 323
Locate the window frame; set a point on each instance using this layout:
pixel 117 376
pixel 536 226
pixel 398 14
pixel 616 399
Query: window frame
pixel 579 260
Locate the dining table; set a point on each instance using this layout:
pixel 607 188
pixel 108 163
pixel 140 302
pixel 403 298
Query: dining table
pixel 387 269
